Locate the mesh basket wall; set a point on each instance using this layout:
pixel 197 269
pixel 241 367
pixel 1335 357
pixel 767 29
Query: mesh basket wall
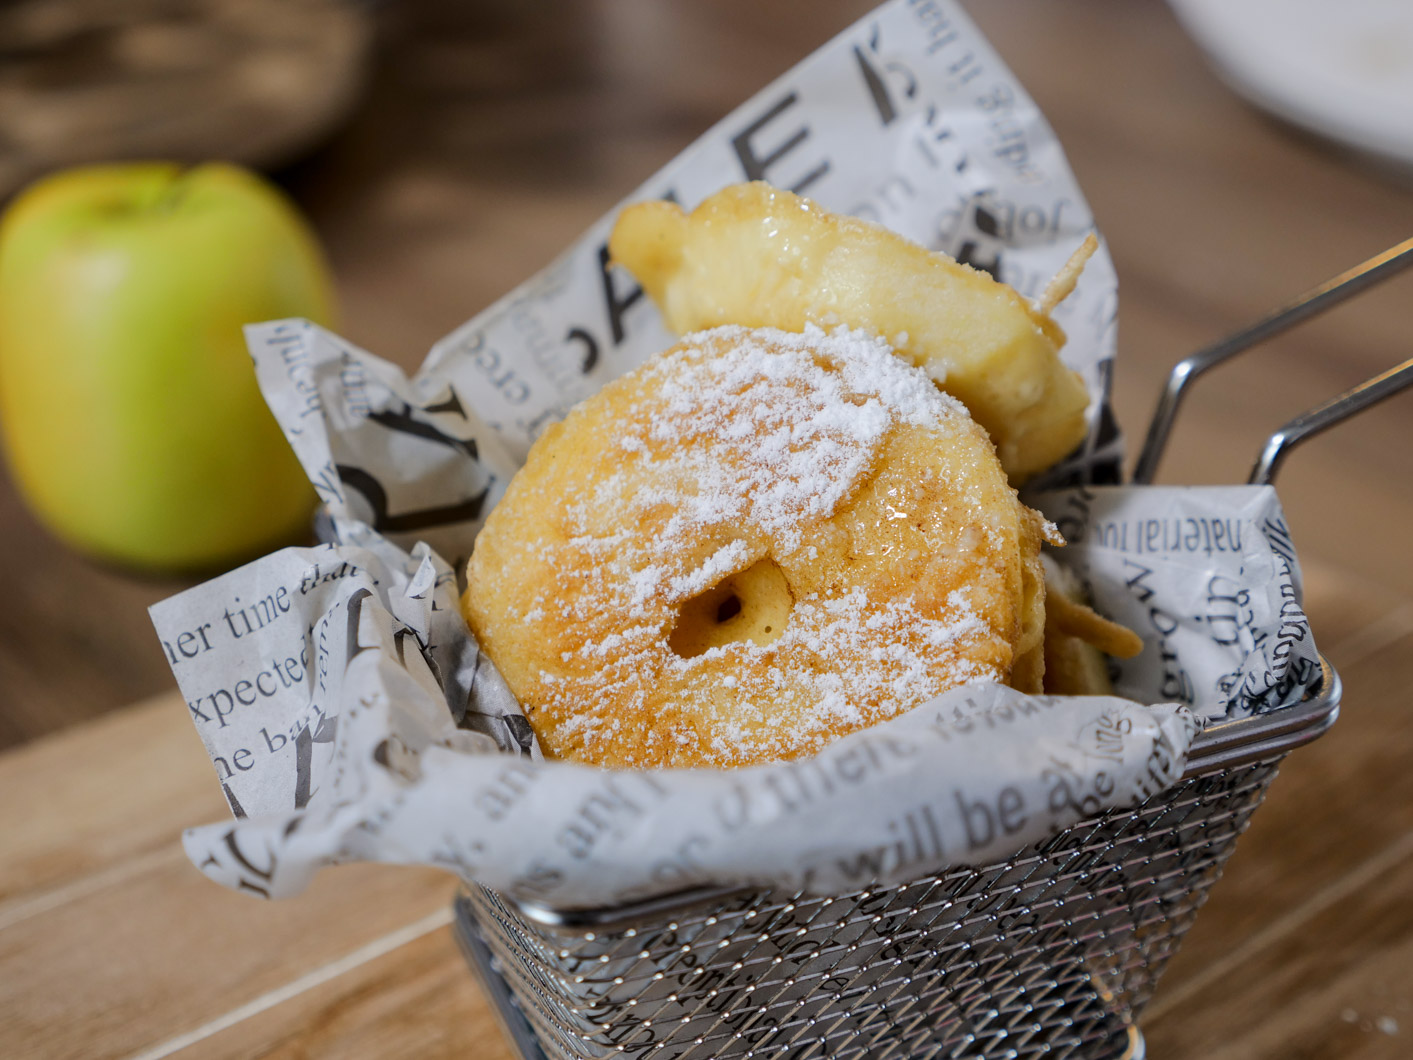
pixel 1052 953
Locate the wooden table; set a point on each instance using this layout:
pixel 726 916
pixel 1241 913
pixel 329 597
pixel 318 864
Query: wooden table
pixel 113 945
pixel 490 137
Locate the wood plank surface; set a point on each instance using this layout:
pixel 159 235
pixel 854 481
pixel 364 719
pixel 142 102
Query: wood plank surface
pixel 418 1000
pixel 162 951
pixel 1308 880
pixel 131 953
pixel 57 835
pixel 109 938
pixel 489 137
pixel 1316 825
pixel 1336 987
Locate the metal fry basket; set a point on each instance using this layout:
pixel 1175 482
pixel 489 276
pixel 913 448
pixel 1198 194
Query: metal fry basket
pixel 1051 953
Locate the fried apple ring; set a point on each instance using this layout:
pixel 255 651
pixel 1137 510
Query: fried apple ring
pixel 754 255
pixel 757 542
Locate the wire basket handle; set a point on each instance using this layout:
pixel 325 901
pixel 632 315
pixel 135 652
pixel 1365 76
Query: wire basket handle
pixel 1313 302
pixel 1326 415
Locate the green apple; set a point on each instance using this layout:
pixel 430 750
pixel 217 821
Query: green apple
pixel 128 403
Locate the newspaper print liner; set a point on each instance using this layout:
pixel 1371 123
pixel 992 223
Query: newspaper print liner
pixel 350 714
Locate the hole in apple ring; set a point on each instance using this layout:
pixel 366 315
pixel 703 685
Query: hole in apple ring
pixel 751 606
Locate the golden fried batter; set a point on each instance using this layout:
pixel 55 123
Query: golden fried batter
pixel 761 257
pixel 757 542
pixel 1077 638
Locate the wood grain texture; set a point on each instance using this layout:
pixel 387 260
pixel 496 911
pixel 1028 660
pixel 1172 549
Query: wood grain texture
pixel 1317 823
pixel 128 950
pixel 491 135
pixel 130 784
pixel 417 1001
pixel 1305 878
pixel 163 951
pixel 1336 989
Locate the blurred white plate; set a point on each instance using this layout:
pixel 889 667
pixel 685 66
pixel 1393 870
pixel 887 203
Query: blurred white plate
pixel 1341 69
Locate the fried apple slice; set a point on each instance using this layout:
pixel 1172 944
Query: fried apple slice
pixel 1077 638
pixel 755 255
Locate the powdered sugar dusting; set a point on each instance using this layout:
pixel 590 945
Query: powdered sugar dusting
pixel 770 427
pixel 737 446
pixel 726 561
pixel 842 663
